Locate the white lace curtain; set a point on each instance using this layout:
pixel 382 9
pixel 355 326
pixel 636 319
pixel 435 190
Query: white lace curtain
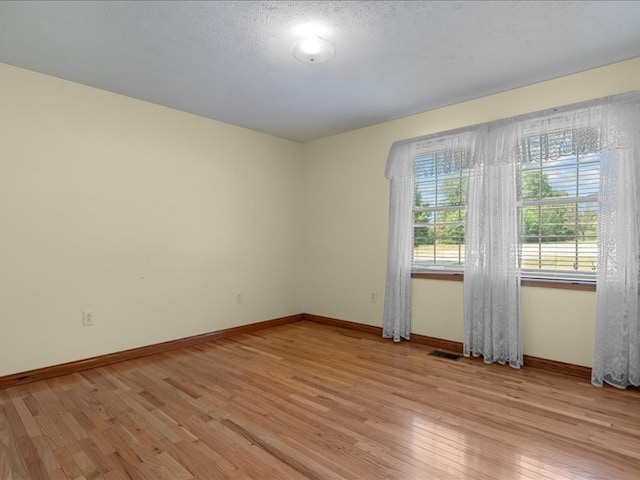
pixel 397 299
pixel 616 356
pixel 491 288
pixel 491 273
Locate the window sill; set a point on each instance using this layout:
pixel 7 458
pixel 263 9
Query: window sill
pixel 525 282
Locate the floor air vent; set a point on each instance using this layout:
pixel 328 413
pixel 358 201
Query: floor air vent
pixel 447 355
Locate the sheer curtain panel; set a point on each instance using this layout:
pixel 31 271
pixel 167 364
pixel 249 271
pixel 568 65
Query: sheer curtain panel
pixel 492 276
pixel 396 322
pixel 616 356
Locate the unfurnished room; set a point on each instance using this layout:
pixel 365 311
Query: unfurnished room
pixel 265 240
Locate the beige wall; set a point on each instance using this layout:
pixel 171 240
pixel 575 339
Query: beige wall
pixel 347 218
pixel 151 218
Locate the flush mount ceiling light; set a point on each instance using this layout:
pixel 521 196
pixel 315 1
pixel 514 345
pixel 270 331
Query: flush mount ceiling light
pixel 312 49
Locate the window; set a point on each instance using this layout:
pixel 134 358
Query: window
pixel 439 209
pixel 558 184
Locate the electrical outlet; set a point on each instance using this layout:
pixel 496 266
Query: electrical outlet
pixel 239 297
pixel 374 297
pixel 88 319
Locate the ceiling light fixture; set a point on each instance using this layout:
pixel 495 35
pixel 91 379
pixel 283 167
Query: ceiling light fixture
pixel 312 49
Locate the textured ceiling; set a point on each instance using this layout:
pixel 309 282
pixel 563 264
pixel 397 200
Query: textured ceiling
pixel 231 61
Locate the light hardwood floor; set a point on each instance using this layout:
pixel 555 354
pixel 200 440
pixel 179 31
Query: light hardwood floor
pixel 309 401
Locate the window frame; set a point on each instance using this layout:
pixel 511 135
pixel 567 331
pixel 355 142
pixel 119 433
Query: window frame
pixel 525 282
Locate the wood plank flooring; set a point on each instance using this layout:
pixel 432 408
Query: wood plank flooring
pixel 309 401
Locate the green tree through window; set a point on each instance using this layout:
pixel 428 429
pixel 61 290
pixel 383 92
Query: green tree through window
pixel 545 223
